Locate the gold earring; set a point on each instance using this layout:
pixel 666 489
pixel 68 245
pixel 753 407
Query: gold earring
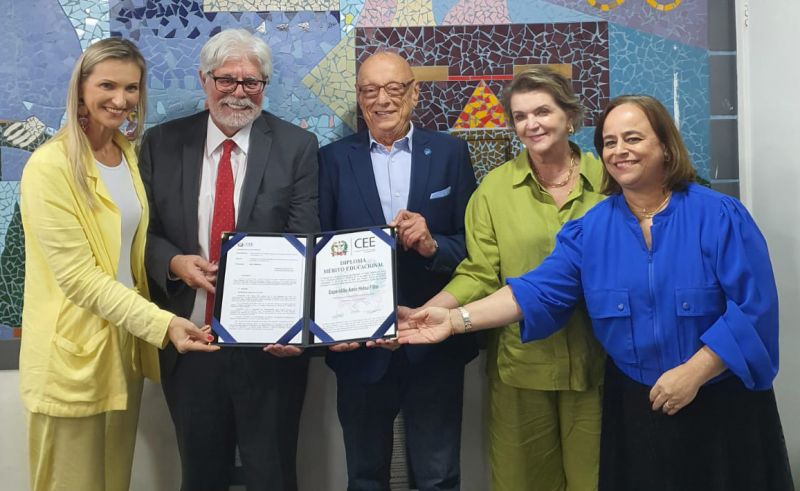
pixel 83 116
pixel 571 130
pixel 132 126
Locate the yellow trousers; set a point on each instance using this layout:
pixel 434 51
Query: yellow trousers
pixel 93 453
pixel 543 440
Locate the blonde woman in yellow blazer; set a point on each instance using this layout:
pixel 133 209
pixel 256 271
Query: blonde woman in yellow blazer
pixel 87 338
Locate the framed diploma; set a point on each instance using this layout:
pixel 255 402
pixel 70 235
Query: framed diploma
pixel 306 290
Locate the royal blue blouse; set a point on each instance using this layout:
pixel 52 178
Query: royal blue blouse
pixel 706 280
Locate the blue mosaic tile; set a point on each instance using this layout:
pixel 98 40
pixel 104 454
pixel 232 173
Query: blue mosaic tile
pixel 89 18
pixel 43 48
pixel 644 64
pixel 441 8
pixel 541 11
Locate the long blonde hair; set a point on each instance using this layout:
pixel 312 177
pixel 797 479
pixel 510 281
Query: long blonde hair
pixel 79 151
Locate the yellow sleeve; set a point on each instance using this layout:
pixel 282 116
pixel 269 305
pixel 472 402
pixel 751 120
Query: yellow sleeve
pixel 52 215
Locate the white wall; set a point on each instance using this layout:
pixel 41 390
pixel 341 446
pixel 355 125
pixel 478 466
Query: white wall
pixel 769 126
pixel 321 451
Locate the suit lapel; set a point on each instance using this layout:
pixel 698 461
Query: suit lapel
pixel 192 162
pixel 361 166
pixel 257 158
pixel 421 154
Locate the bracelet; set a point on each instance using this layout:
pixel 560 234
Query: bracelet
pixel 465 318
pixel 450 319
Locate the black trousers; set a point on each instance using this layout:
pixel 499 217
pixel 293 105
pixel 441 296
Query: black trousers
pixel 728 439
pixel 237 396
pixel 431 400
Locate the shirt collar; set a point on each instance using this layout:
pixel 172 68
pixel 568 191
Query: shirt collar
pixel 402 144
pixel 215 137
pixel 522 168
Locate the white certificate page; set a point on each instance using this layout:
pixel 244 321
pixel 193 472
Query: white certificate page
pixel 354 286
pixel 263 293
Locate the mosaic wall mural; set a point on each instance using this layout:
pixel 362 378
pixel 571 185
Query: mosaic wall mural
pixel 462 51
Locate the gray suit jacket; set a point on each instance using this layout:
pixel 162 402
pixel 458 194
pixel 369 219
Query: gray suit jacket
pixel 279 195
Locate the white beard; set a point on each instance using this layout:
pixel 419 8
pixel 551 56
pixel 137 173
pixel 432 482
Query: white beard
pixel 235 118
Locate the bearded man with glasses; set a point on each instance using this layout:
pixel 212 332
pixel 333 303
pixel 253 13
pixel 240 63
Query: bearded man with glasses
pixel 232 167
pixel 420 182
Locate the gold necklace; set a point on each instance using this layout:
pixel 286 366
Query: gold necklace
pixel 559 184
pixel 650 214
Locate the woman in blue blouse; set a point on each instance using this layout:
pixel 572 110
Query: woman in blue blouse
pixel 678 283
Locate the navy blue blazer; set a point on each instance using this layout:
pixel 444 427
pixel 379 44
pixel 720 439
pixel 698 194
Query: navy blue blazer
pixel 348 198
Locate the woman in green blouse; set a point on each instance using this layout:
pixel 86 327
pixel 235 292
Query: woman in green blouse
pixel 544 418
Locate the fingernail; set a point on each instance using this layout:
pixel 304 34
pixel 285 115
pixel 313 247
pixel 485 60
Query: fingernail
pixel 210 337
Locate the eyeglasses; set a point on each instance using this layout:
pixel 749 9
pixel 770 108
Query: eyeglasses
pixel 393 89
pixel 228 85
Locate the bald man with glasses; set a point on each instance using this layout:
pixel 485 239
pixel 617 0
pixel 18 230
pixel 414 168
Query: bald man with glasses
pixel 420 181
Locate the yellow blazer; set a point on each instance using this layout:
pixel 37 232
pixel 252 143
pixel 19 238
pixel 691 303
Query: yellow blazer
pixel 70 363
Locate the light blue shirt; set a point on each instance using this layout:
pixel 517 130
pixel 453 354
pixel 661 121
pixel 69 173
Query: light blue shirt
pixel 392 169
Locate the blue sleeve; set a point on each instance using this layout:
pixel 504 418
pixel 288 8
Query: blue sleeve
pixel 548 294
pixel 746 335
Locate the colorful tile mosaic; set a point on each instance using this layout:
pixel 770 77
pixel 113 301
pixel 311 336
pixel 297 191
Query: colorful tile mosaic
pixel 489 54
pixel 38 50
pixel 379 13
pixel 487 12
pixel 333 80
pixel 482 111
pixel 349 13
pixel 269 5
pixel 686 22
pixel 171 35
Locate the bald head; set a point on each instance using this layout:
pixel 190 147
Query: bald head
pixel 382 61
pixel 387 95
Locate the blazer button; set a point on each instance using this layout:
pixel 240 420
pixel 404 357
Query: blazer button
pixel 621 307
pixel 685 305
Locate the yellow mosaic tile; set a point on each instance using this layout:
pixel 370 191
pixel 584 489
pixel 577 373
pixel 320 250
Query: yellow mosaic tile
pixel 333 80
pixel 414 13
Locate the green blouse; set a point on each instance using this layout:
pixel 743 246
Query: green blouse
pixel 511 224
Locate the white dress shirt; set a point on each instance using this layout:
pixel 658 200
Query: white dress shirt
pixel 205 200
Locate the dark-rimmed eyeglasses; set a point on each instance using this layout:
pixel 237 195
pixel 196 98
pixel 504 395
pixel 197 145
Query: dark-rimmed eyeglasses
pixel 227 85
pixel 393 89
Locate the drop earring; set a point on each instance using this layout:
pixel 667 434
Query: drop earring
pixel 132 126
pixel 83 116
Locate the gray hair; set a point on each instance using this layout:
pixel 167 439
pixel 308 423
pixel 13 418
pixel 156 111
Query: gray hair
pixel 233 44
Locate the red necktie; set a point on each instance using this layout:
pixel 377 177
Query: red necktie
pixel 224 218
